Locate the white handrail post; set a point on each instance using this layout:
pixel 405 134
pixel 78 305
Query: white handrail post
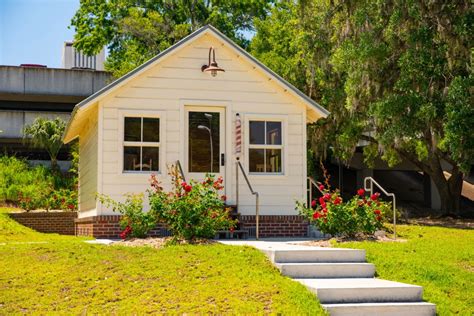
pixel 371 189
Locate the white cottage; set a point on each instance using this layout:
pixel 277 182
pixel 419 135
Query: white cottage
pixel 173 109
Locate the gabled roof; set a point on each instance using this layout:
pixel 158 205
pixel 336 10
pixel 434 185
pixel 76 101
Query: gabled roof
pixel 205 29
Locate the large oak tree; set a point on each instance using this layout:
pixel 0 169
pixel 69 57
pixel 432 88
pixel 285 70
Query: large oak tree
pixel 397 74
pixel 136 30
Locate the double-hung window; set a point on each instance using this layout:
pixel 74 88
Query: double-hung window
pixel 265 147
pixel 141 144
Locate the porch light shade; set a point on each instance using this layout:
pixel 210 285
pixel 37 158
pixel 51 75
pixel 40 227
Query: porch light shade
pixel 212 67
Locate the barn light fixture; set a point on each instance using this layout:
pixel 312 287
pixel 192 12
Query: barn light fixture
pixel 212 67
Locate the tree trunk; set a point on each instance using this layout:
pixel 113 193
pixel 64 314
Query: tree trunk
pixel 449 190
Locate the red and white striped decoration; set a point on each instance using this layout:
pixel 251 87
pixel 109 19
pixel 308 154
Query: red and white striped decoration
pixel 238 136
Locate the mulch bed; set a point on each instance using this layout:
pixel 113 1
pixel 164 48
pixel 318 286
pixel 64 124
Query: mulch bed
pixel 159 242
pixel 379 236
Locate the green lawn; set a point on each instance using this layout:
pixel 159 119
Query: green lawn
pixel 439 259
pixel 64 275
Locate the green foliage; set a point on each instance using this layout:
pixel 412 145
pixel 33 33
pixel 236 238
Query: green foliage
pixel 35 187
pixel 46 134
pixel 193 210
pixel 135 221
pixel 135 31
pixel 396 74
pixel 333 216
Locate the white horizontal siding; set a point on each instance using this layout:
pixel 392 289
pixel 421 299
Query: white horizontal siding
pixel 177 82
pixel 88 153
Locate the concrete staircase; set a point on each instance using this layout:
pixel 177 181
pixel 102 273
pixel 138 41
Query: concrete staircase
pixel 344 282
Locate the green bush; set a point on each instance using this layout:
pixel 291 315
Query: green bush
pixel 191 210
pixel 35 187
pixel 361 214
pixel 134 222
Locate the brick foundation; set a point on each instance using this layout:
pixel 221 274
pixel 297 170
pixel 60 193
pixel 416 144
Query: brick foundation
pixel 54 222
pixel 106 226
pixel 277 225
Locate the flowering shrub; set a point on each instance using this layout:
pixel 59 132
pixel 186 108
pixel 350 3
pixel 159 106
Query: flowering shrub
pixel 134 222
pixel 191 210
pixel 360 214
pixel 63 199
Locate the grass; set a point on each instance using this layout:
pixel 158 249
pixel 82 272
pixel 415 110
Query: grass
pixel 439 259
pixel 65 275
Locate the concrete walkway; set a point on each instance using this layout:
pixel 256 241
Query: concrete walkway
pixel 342 279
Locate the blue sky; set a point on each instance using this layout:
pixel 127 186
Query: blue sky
pixel 33 31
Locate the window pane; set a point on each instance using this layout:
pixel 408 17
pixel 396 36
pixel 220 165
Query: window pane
pixel 200 138
pixel 256 160
pixel 273 133
pixel 150 158
pixel 273 160
pixel 151 130
pixel 257 132
pixel 131 158
pixel 132 130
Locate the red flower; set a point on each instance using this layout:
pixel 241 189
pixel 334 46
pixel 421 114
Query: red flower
pixel 325 210
pixel 313 203
pixel 379 218
pixel 70 206
pixel 377 212
pixel 224 198
pixel 125 232
pixel 321 187
pixel 327 196
pixel 316 215
pixel 337 201
pixel 375 196
pixel 361 192
pixel 188 188
pixel 321 200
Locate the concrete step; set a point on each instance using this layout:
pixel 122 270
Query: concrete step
pixel 365 290
pixel 327 270
pixel 316 254
pixel 381 309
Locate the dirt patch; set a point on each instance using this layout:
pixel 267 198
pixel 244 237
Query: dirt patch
pixel 444 222
pixel 159 242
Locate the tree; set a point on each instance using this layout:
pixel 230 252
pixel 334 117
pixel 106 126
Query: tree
pixel 46 134
pixel 137 30
pixel 397 74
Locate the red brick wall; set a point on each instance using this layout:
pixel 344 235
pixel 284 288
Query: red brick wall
pixel 105 226
pixel 54 222
pixel 277 225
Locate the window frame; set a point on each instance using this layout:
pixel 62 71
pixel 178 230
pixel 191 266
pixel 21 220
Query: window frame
pixel 123 143
pixel 266 118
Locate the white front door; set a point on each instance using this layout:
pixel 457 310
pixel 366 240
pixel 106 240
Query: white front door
pixel 204 142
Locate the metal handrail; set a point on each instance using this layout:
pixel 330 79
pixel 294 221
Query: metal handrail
pixel 180 169
pixel 257 202
pixel 312 183
pixel 371 190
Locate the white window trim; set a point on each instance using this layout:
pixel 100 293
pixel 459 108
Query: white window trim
pixel 247 146
pixel 122 143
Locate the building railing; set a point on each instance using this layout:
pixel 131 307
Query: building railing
pixel 180 169
pixel 369 183
pixel 238 166
pixel 311 183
